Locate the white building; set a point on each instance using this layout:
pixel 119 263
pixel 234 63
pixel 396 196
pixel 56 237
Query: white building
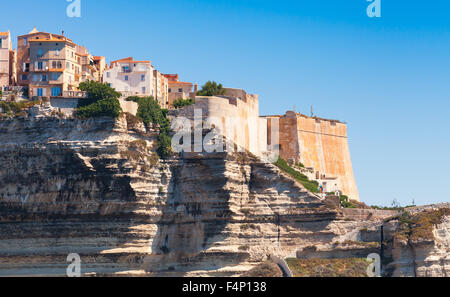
pixel 131 78
pixel 7 61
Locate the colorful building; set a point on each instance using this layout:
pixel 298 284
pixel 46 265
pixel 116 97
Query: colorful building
pixel 52 65
pixel 7 61
pixel 137 78
pixel 178 89
pixel 162 89
pixel 130 77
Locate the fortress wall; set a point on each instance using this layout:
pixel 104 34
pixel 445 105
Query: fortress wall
pixel 323 145
pixel 238 117
pixel 317 143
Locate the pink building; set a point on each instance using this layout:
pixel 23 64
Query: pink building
pixel 7 61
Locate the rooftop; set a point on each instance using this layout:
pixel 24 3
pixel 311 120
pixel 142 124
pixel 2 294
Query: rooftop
pixel 129 60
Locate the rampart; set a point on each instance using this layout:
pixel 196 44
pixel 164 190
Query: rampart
pixel 318 143
pixel 236 114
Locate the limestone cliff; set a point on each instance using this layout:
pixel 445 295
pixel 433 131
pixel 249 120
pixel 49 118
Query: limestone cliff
pixel 97 188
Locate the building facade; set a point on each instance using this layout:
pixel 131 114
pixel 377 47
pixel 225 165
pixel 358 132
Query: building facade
pixel 162 89
pixel 7 61
pixel 52 65
pixel 100 65
pixel 130 77
pixel 178 89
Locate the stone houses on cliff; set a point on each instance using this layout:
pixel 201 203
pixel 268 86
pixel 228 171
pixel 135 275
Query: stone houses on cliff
pixel 52 65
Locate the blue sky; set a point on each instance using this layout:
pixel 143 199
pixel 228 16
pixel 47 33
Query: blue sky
pixel 388 77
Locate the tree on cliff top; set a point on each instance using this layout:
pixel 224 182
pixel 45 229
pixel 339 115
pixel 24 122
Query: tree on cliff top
pixel 102 101
pixel 211 88
pixel 96 91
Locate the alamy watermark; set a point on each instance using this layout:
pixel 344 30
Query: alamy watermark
pixel 74 269
pixel 73 9
pixel 374 9
pixel 374 268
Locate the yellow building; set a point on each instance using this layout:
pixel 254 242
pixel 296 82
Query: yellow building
pixel 53 65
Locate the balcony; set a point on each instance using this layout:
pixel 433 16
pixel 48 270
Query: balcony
pixel 74 94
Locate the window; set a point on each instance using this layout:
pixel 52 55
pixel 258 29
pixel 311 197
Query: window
pixel 67 65
pixel 170 90
pixel 126 77
pixel 27 67
pixel 35 77
pixel 56 91
pixel 44 77
pixel 40 65
pixel 57 52
pixel 40 53
pixel 24 77
pixel 180 90
pixel 143 77
pixel 25 41
pixel 1 41
pixel 108 74
pixel 55 76
pixel 143 90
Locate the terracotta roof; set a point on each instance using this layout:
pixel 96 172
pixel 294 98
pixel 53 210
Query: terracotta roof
pixel 180 83
pixel 57 35
pixel 4 33
pixel 129 60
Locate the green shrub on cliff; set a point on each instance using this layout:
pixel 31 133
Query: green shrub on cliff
pixel 310 185
pixel 419 227
pixel 211 88
pixel 102 101
pixel 16 108
pixel 96 91
pixel 151 113
pixel 109 107
pixel 182 103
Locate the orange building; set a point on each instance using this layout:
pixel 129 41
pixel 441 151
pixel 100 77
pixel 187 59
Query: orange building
pixel 52 65
pixel 178 89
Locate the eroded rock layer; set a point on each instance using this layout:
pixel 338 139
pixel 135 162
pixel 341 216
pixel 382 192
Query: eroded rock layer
pixel 96 188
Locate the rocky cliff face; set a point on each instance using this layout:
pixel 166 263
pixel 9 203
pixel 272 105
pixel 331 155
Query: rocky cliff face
pixel 97 188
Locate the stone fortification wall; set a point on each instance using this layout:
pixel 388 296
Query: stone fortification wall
pixel 236 114
pixel 318 143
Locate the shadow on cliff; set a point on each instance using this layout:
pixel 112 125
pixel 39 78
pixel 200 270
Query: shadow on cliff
pixel 194 217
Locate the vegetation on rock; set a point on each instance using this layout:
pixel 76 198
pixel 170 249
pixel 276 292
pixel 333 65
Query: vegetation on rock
pixel 12 109
pixel 419 227
pixel 211 88
pixel 266 269
pixel 303 179
pixel 348 267
pixel 96 91
pixel 102 101
pixel 180 103
pixel 152 114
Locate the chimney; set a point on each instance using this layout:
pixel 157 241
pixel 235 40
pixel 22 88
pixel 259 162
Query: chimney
pixel 195 88
pixel 62 33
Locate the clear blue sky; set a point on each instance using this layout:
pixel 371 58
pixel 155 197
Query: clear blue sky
pixel 388 78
